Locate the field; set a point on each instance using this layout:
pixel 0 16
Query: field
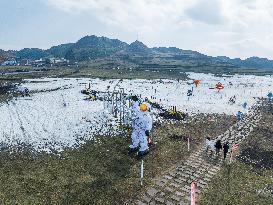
pixel 58 148
pixel 95 173
pixel 56 115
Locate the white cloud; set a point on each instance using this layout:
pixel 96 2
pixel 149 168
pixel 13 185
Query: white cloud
pixel 217 27
pixel 141 14
pixel 209 12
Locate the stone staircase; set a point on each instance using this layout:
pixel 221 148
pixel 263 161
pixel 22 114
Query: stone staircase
pixel 174 187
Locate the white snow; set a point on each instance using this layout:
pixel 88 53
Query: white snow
pixel 204 100
pixel 43 121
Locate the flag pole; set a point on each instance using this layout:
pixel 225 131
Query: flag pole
pixel 193 192
pixel 141 173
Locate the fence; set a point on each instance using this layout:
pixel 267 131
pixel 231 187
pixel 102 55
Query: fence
pixel 118 104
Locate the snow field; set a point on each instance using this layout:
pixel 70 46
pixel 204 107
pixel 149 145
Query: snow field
pixel 43 121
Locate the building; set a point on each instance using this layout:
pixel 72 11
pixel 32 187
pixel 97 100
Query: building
pixel 9 63
pixel 38 63
pixel 58 61
pixel 25 62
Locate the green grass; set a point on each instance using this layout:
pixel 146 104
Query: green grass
pixel 95 173
pixel 92 174
pixel 240 182
pixel 237 184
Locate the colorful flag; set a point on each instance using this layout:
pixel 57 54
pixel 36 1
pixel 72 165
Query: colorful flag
pixel 193 195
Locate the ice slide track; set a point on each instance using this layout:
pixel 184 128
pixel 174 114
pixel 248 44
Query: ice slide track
pixel 174 187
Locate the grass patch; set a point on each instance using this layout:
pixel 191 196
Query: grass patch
pixel 237 184
pixel 98 172
pixel 247 181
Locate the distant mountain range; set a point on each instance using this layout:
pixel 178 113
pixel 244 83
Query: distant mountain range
pixel 136 54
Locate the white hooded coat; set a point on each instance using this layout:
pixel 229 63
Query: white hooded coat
pixel 141 122
pixel 210 144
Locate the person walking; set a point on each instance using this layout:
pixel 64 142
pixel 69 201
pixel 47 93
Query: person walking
pixel 225 149
pixel 239 115
pixel 218 147
pixel 209 145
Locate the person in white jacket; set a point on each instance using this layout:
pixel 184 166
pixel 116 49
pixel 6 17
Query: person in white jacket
pixel 209 145
pixel 142 124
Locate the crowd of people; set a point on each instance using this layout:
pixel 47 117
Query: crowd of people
pixel 216 146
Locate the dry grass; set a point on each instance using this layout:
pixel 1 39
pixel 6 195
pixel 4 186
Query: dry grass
pixel 241 182
pixel 95 173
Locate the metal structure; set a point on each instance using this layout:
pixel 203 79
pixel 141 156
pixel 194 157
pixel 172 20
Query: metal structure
pixel 118 104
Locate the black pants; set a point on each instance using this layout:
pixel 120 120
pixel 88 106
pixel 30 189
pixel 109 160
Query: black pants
pixel 225 154
pixel 218 151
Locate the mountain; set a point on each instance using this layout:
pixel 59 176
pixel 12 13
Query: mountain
pixel 179 52
pixel 60 50
pixel 252 62
pixel 257 62
pixel 138 47
pixel 92 47
pixel 112 52
pixel 31 53
pixel 7 54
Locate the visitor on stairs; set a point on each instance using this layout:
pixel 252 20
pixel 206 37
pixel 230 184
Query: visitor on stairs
pixel 239 115
pixel 218 147
pixel 225 148
pixel 209 145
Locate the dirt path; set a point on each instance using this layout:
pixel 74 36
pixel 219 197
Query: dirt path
pixel 174 187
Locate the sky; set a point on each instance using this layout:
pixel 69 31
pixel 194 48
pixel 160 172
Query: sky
pixel 234 28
